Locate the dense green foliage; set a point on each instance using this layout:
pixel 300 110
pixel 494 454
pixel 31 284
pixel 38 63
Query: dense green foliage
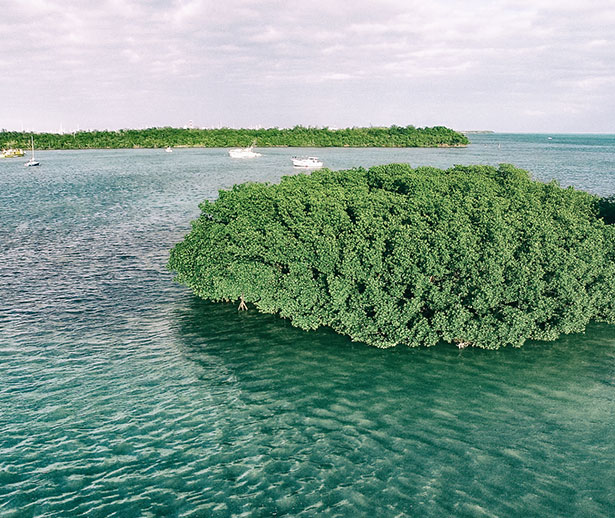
pixel 392 255
pixel 298 136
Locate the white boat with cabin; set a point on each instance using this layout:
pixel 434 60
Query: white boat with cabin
pixel 244 152
pixel 309 162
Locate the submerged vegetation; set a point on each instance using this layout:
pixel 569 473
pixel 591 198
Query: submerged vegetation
pixel 474 255
pixel 299 136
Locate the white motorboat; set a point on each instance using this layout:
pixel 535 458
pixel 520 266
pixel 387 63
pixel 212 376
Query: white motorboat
pixel 32 162
pixel 244 152
pixel 310 162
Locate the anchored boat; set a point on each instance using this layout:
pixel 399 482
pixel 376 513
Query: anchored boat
pixel 309 162
pixel 32 162
pixel 244 152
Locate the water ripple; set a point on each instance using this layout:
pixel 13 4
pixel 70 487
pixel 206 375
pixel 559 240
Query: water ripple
pixel 121 394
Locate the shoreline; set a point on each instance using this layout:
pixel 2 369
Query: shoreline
pixel 299 136
pixel 256 147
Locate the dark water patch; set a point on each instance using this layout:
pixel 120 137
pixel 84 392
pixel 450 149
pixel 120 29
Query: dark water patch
pixel 461 423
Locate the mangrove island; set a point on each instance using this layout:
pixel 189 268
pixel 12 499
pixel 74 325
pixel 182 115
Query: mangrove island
pixel 472 255
pixel 299 136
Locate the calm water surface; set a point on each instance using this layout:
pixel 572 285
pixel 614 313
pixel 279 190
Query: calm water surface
pixel 123 395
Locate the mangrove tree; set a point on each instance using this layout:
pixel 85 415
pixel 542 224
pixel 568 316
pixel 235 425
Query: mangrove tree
pixel 299 136
pixel 472 255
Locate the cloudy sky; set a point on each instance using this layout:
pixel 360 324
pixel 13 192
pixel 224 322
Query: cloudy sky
pixel 518 65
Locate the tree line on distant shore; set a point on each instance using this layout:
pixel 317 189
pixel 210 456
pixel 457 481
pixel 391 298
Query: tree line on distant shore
pixel 299 136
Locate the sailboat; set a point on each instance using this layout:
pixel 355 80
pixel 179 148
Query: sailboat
pixel 32 162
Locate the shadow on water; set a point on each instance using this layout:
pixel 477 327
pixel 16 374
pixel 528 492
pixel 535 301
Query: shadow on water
pixel 438 430
pixel 266 345
pixel 261 346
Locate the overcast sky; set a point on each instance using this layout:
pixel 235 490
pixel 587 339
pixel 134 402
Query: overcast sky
pixel 523 66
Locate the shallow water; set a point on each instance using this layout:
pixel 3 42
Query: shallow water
pixel 122 394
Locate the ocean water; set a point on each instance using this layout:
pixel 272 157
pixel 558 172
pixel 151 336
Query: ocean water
pixel 121 394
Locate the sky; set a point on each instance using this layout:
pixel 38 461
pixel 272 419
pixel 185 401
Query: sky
pixel 506 66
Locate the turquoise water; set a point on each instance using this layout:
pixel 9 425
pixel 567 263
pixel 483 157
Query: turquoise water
pixel 123 395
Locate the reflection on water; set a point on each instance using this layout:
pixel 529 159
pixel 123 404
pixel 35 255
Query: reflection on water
pixel 440 430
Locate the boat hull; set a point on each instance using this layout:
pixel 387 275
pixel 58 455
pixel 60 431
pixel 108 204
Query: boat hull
pixel 243 153
pixel 307 163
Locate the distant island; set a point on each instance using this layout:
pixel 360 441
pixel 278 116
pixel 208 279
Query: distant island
pixel 299 136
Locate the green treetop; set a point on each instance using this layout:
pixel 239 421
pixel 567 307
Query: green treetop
pixel 299 136
pixel 474 255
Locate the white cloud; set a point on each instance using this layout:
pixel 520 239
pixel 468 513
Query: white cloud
pixel 534 113
pixel 203 54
